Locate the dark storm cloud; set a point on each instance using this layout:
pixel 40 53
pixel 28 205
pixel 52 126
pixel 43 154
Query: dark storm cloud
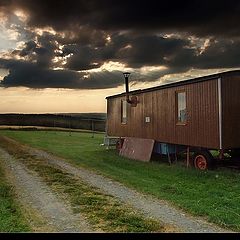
pixel 42 50
pixel 94 32
pixel 83 57
pixel 150 50
pixel 46 50
pixel 31 75
pixel 134 51
pixel 198 17
pixel 220 54
pixel 83 35
pixel 29 47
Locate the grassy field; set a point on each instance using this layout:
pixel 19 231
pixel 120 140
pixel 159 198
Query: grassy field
pixel 11 219
pixel 212 194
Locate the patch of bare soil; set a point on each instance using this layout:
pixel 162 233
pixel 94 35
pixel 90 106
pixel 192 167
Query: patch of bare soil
pixel 45 211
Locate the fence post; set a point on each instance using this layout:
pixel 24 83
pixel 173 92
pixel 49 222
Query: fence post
pixel 69 127
pixel 92 129
pixel 54 125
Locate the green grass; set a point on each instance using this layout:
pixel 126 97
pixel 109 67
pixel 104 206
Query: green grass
pixel 11 219
pixel 103 211
pixel 212 194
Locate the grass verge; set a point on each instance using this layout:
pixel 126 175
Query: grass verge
pixel 212 194
pixel 103 211
pixel 11 218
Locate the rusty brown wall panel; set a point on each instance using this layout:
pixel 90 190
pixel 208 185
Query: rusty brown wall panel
pixel 148 112
pixel 231 112
pixel 160 105
pixel 134 124
pixel 155 121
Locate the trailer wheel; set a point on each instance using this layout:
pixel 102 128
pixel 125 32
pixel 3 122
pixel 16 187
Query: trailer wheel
pixel 203 160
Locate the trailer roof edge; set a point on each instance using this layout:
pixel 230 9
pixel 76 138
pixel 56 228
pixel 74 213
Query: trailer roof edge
pixel 180 83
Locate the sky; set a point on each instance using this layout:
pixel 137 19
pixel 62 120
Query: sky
pixel 67 56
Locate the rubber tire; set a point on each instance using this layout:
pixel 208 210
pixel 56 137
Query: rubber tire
pixel 210 162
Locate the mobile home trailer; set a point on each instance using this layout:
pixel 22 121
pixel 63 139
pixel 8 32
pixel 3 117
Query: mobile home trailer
pixel 200 114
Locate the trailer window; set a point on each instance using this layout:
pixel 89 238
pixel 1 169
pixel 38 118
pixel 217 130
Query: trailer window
pixel 181 107
pixel 124 111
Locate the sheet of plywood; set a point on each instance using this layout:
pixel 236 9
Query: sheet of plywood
pixel 137 148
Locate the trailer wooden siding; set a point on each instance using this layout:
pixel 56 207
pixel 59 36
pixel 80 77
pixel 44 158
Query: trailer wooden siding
pixel 231 111
pixel 201 129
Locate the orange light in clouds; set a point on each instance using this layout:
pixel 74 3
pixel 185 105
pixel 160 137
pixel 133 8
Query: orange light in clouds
pixel 21 15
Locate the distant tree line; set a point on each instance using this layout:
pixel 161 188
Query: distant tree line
pixel 54 120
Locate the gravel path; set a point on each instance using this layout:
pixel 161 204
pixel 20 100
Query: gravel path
pixel 36 194
pixel 150 206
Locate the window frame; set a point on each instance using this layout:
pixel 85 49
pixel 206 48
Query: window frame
pixel 123 101
pixel 176 111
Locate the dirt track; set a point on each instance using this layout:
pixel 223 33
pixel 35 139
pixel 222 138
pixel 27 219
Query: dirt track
pixel 32 192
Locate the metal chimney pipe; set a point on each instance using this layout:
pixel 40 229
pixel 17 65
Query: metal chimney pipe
pixel 126 75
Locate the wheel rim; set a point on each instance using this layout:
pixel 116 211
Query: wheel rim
pixel 201 162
